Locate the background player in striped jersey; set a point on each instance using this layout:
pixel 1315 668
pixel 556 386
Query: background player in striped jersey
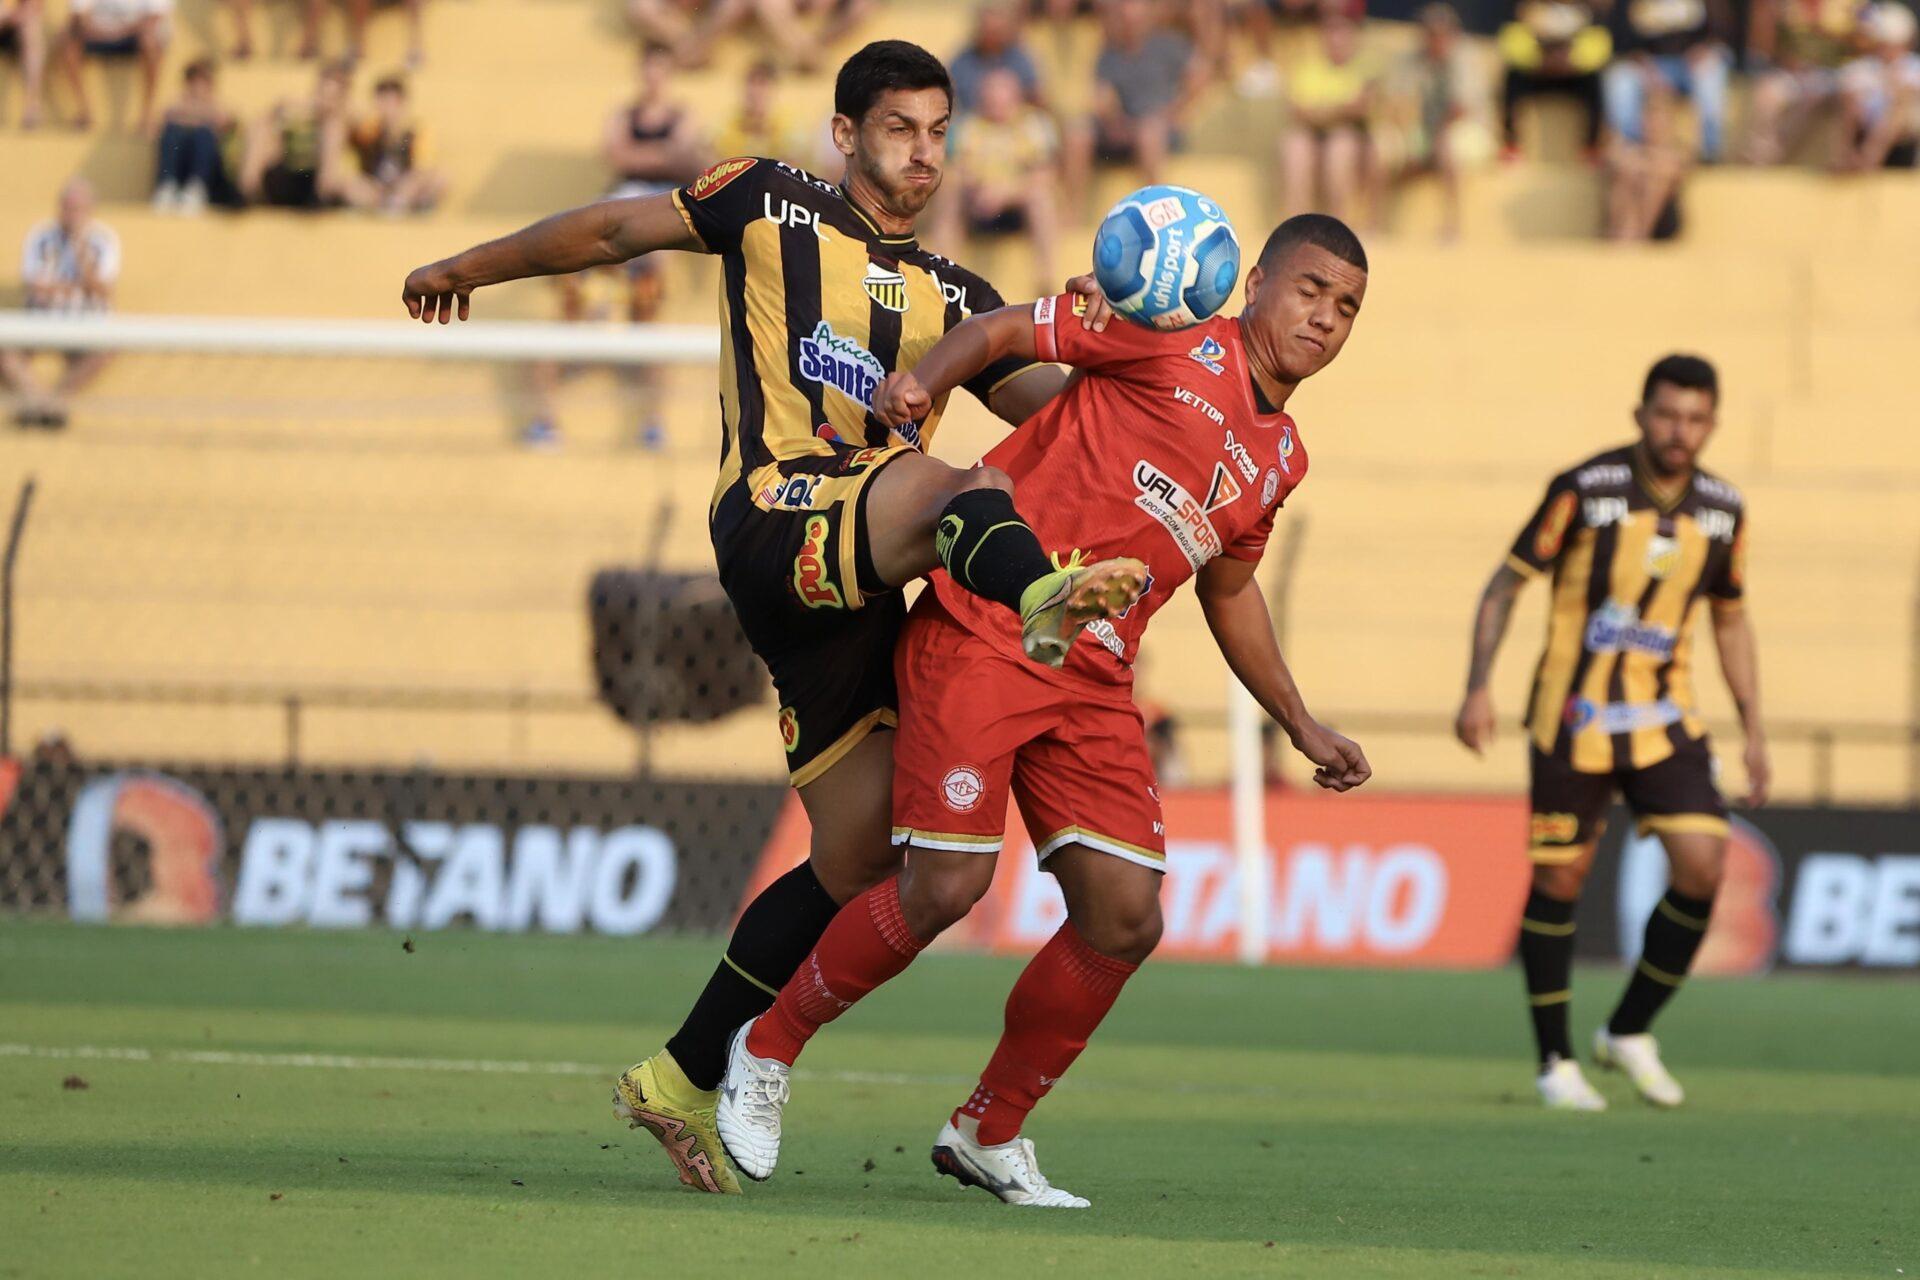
pixel 1634 538
pixel 820 512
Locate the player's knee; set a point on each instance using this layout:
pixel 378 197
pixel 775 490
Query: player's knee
pixel 935 900
pixel 1560 882
pixel 1700 877
pixel 984 478
pixel 1127 931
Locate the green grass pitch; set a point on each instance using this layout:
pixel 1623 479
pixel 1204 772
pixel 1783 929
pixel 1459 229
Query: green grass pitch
pixel 306 1104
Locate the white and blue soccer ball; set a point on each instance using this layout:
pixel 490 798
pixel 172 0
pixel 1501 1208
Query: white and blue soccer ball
pixel 1166 257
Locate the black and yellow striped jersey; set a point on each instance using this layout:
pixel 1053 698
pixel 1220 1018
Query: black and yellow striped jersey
pixel 1630 563
pixel 816 307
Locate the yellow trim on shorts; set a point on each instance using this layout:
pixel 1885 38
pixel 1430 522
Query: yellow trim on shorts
pixel 1684 824
pixel 1099 844
pixel 1555 855
pixel 878 718
pixel 952 841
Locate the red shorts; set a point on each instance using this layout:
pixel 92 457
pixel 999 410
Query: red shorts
pixel 977 724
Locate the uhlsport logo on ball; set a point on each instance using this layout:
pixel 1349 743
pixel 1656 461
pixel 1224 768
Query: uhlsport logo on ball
pixel 1166 257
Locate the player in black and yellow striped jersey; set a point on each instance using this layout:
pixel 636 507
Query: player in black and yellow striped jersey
pixel 820 513
pixel 1635 539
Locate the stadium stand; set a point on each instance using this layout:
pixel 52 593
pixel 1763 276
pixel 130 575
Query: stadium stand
pixel 367 525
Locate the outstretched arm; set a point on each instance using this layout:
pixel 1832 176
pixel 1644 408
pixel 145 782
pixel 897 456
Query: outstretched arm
pixel 1474 725
pixel 1740 664
pixel 967 348
pixel 1236 613
pixel 594 235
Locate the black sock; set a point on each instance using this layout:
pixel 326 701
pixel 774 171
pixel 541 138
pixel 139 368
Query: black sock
pixel 1674 931
pixel 988 548
pixel 1546 957
pixel 774 935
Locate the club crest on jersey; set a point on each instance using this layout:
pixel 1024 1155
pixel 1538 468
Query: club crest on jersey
pixel 1223 490
pixel 888 288
pixel 789 729
pixel 840 363
pixel 1286 448
pixel 1663 557
pixel 1207 355
pixel 719 176
pixel 1269 488
pixel 1166 500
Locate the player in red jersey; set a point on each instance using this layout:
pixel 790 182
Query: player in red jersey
pixel 1172 447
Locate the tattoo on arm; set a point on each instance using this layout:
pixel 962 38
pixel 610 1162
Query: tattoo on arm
pixel 1490 623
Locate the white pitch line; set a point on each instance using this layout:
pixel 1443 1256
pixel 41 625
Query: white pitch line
pixel 355 1062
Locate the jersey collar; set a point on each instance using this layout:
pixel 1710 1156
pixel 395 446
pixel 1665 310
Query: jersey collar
pixel 900 243
pixel 1667 498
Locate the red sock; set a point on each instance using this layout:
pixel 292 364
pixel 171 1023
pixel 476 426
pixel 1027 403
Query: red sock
pixel 865 945
pixel 1063 995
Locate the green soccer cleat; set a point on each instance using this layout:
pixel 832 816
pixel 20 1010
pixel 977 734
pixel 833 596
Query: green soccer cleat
pixel 656 1095
pixel 1056 608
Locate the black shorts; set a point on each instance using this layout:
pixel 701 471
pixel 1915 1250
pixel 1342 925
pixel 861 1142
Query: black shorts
pixel 120 47
pixel 792 545
pixel 291 188
pixel 1570 807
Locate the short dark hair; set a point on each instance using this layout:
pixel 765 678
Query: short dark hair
pixel 1318 229
pixel 202 68
pixel 884 65
pixel 392 84
pixel 1685 371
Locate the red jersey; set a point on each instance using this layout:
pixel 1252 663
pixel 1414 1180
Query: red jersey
pixel 1159 451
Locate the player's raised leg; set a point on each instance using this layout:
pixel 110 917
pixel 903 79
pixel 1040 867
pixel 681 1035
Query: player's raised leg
pixel 1113 924
pixel 1696 852
pixel 673 1093
pixel 924 514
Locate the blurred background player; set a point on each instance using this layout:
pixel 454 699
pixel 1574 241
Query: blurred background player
pixel 1634 538
pixel 819 514
pixel 979 724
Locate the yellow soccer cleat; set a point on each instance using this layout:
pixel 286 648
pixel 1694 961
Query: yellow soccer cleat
pixel 657 1096
pixel 1056 608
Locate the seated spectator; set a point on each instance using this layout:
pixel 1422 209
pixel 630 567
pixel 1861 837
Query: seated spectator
pixel 1279 33
pixel 395 174
pixel 798 31
pixel 23 32
pixel 1795 49
pixel 1435 116
pixel 139 29
pixel 762 127
pixel 1880 96
pixel 1003 160
pixel 597 296
pixel 995 46
pixel 1552 47
pixel 296 156
pixel 1644 174
pixel 652 144
pixel 1145 81
pixel 191 168
pixel 69 267
pixel 1683 42
pixel 1323 150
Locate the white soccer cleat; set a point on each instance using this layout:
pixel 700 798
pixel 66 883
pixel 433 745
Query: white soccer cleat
pixel 752 1094
pixel 1563 1087
pixel 1009 1170
pixel 1639 1057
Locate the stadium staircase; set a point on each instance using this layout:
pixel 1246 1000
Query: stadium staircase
pixel 355 525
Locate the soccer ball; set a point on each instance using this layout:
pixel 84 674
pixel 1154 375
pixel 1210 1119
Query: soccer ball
pixel 1166 257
